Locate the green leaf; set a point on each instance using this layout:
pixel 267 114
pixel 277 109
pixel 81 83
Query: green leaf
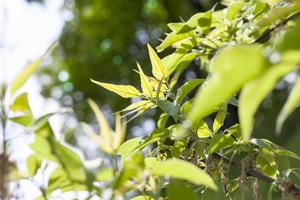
pixel 186 88
pixel 261 87
pixel 125 91
pixel 169 108
pixel 172 38
pixel 145 83
pixel 21 104
pixel 162 121
pixel 286 153
pixel 178 190
pixel 133 166
pixel 30 69
pixel 46 146
pixel 289 106
pixel 155 136
pixel 129 146
pixel 291 40
pixel 220 142
pixel 234 10
pixel 219 119
pixel 180 169
pixel 180 66
pixel 25 74
pixel 158 69
pixel 33 164
pixel 229 73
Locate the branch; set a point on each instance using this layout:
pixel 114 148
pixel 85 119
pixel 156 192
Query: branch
pixel 284 187
pixel 267 33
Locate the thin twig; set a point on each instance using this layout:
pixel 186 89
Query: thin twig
pixel 267 33
pixel 292 189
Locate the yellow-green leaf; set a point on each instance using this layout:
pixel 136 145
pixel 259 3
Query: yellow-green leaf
pixel 105 129
pixel 120 130
pixel 289 106
pixel 219 120
pixel 181 169
pixel 25 74
pixel 158 70
pixel 30 69
pixel 21 104
pixel 125 91
pixel 97 138
pixel 145 83
pixel 254 92
pixel 231 69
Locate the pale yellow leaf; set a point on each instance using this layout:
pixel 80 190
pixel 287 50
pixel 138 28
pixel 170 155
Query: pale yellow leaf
pixel 158 70
pixel 145 83
pixel 125 91
pixel 104 126
pixel 100 141
pixel 120 130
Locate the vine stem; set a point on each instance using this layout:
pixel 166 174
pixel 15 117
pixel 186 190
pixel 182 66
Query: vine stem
pixel 292 189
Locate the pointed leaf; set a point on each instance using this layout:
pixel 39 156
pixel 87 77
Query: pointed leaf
pixel 229 73
pixel 27 72
pixel 125 91
pixel 219 120
pixel 254 92
pixel 105 129
pixel 21 104
pixel 289 106
pixel 186 88
pixel 158 70
pixel 145 83
pixel 181 169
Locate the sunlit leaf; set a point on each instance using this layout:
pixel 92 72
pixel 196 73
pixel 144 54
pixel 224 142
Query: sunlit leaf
pixel 180 66
pixel 120 131
pixel 105 174
pixel 186 88
pixel 125 91
pixel 229 73
pixel 142 197
pixel 255 91
pixel 105 129
pixel 172 38
pixel 181 169
pixel 133 166
pixel 129 146
pixel 33 164
pixel 219 142
pixel 202 130
pixel 219 119
pixel 145 83
pixel 158 69
pixel 27 72
pixel 97 138
pixel 289 106
pixel 162 121
pixel 234 10
pixel 21 104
